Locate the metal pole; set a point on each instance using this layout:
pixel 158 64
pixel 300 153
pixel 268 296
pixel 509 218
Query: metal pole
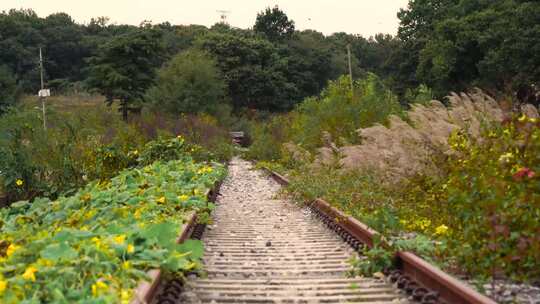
pixel 42 87
pixel 350 68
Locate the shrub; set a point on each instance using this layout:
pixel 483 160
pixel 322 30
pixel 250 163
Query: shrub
pixel 339 114
pixel 335 114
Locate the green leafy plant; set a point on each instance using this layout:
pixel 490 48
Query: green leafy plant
pixel 96 245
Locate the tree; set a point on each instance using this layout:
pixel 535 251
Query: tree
pixel 8 88
pixel 189 83
pixel 274 24
pixel 63 48
pixel 459 44
pixel 125 67
pixel 254 71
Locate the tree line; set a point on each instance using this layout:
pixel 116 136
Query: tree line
pixel 441 45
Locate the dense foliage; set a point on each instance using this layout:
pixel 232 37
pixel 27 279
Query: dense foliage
pixel 274 24
pixel 457 44
pixel 8 89
pixel 189 83
pixel 87 142
pixel 335 115
pixel 124 68
pixel 95 246
pixel 445 44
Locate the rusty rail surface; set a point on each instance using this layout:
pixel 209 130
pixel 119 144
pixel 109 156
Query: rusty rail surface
pixel 145 290
pixel 413 273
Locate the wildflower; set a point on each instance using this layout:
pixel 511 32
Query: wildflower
pixel 120 239
pixel 86 197
pixel 98 288
pixel 19 182
pixel 44 262
pixel 161 200
pixel 3 286
pixel 533 120
pixel 29 274
pixel 183 198
pixel 11 249
pixel 126 265
pixel 196 191
pixel 505 158
pixel 125 296
pixel 136 152
pixel 442 229
pixel 522 118
pixel 523 172
pixel 130 248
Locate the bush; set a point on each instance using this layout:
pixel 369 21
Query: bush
pixel 335 112
pixel 189 83
pixel 96 245
pixel 87 141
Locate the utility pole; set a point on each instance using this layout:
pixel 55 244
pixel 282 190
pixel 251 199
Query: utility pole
pixel 350 68
pixel 42 91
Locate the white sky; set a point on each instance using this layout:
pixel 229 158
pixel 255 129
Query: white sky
pixel 365 17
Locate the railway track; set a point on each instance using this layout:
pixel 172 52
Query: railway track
pixel 261 249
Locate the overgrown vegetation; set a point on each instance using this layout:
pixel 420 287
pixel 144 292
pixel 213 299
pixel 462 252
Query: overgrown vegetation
pixel 90 142
pixel 98 244
pixel 335 114
pixel 458 186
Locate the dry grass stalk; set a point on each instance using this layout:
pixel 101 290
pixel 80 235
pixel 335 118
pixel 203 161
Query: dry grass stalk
pixel 406 148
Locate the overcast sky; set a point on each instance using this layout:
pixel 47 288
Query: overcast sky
pixel 365 17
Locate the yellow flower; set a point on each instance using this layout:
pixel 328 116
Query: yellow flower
pixel 44 262
pixel 442 229
pixel 126 265
pixel 183 198
pixel 196 191
pixel 506 157
pixel 11 249
pixel 130 248
pixel 120 239
pixel 533 120
pixel 161 200
pixel 125 296
pixel 3 286
pixel 522 118
pixel 98 288
pixel 29 274
pixel 19 182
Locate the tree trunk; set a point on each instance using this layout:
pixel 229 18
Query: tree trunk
pixel 124 106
